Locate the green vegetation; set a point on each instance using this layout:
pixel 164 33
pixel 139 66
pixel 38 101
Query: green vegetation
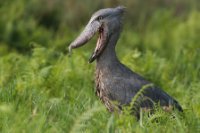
pixel 42 89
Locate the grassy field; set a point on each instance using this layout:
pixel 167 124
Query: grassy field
pixel 43 90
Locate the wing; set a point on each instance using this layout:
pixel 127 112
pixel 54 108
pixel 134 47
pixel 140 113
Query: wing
pixel 126 84
pixel 159 96
pixel 126 88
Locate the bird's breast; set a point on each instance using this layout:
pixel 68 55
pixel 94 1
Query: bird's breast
pixel 102 89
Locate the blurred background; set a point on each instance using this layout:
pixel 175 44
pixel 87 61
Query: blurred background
pixel 55 23
pixel 43 90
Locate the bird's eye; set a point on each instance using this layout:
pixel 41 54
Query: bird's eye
pixel 99 18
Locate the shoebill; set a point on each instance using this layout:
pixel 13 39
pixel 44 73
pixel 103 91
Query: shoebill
pixel 116 84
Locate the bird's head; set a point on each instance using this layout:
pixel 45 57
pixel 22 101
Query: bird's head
pixel 106 22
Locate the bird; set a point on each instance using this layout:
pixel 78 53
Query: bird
pixel 116 84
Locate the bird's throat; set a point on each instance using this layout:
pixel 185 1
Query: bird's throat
pixel 108 54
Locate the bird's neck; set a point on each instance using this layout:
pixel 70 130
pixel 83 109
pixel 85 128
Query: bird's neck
pixel 108 57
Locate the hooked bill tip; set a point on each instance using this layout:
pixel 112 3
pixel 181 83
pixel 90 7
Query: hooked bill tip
pixel 69 50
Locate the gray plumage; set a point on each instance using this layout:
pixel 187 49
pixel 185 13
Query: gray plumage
pixel 114 81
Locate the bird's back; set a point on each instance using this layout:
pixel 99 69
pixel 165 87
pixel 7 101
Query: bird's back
pixel 118 83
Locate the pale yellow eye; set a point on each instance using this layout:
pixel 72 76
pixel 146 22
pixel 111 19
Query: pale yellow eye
pixel 100 18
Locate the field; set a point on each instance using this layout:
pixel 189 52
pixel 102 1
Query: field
pixel 43 90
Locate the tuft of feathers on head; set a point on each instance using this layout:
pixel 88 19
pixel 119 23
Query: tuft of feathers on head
pixel 122 9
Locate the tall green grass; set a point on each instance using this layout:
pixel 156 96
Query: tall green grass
pixel 45 90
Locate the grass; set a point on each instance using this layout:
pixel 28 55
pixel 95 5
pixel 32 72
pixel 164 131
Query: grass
pixel 48 91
